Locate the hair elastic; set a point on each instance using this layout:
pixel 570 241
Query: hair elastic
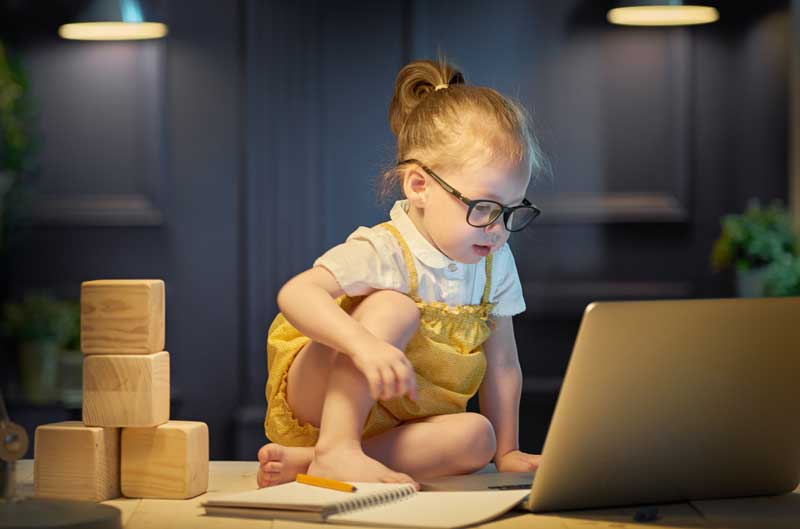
pixel 440 87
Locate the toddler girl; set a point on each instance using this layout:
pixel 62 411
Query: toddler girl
pixel 379 346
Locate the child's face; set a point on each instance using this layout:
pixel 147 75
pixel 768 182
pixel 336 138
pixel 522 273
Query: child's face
pixel 445 216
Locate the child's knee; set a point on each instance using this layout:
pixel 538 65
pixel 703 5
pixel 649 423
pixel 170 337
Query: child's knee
pixel 481 440
pixel 390 305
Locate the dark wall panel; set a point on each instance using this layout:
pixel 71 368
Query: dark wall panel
pixel 204 77
pixel 361 53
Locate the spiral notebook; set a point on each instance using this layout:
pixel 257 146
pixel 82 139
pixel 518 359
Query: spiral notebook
pixel 376 504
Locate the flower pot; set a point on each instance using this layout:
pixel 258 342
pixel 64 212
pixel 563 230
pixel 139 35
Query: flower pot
pixel 750 283
pixel 39 362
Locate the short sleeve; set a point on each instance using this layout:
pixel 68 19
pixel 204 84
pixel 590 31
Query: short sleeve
pixel 506 290
pixel 370 259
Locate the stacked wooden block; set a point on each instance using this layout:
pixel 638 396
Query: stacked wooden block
pixel 126 441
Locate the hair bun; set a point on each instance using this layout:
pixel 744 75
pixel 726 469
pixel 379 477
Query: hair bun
pixel 414 82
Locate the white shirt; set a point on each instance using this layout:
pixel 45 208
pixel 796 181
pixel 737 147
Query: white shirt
pixel 372 259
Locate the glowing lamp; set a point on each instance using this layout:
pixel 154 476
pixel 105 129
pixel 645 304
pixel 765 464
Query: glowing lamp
pixel 113 20
pixel 661 13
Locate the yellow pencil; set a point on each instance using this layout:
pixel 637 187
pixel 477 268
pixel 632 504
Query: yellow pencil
pixel 325 483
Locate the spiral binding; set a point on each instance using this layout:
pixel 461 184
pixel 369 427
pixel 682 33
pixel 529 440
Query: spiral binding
pixel 373 500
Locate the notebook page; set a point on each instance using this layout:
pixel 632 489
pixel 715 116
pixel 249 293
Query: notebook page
pixel 299 496
pixel 436 509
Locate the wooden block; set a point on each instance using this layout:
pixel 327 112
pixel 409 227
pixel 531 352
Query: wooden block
pixel 168 461
pixel 122 316
pixel 126 390
pixel 73 461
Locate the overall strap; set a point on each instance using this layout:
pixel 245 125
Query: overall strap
pixel 487 287
pixel 412 269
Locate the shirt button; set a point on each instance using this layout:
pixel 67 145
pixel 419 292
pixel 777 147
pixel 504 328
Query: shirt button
pixel 452 267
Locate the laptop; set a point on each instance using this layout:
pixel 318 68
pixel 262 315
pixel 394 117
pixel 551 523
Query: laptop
pixel 670 401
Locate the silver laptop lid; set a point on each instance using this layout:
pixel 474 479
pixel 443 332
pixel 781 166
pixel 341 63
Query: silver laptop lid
pixel 676 400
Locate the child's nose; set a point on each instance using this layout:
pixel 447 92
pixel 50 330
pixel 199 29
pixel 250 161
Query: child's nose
pixel 496 228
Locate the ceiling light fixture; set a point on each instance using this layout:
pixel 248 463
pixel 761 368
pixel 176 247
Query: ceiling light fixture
pixel 113 20
pixel 661 13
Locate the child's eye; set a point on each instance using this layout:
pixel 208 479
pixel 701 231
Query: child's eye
pixel 483 213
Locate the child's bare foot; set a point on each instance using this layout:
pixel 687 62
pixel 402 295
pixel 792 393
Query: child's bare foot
pixel 279 464
pixel 352 464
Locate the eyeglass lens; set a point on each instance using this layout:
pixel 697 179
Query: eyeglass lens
pixel 484 213
pixel 520 218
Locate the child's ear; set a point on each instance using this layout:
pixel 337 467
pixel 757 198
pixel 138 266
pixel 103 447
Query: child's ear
pixel 415 189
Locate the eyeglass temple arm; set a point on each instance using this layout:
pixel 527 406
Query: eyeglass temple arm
pixel 438 178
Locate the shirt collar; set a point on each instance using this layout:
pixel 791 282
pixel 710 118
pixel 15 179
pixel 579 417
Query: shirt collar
pixel 419 245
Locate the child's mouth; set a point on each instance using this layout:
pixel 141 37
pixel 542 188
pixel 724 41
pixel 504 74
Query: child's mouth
pixel 481 250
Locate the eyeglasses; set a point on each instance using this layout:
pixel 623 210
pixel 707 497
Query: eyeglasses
pixel 483 212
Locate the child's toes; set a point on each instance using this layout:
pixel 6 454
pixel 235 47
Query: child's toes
pixel 270 452
pixel 263 454
pixel 272 467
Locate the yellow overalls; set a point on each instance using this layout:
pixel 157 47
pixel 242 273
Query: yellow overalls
pixel 446 352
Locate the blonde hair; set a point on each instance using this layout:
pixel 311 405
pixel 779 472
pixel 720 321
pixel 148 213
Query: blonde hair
pixel 440 120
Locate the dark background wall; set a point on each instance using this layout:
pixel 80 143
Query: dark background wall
pixel 227 156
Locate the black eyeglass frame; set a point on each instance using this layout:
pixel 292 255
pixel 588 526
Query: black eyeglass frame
pixel 505 211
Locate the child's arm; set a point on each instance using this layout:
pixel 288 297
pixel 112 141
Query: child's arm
pixel 500 394
pixel 307 302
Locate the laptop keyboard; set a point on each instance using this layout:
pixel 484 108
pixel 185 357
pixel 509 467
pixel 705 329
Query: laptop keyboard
pixel 519 486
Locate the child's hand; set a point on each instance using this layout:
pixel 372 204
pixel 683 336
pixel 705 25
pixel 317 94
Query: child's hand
pixel 388 371
pixel 516 461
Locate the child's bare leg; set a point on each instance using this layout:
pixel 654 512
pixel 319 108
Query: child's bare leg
pixel 389 315
pixel 305 391
pixel 338 453
pixel 441 445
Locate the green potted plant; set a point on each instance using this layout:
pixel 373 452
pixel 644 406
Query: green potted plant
pixel 39 325
pixel 782 277
pixel 750 242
